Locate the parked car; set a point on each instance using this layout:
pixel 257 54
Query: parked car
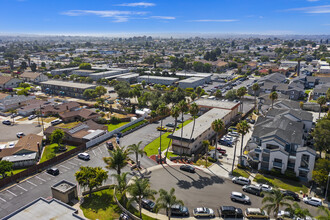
pixel 222 151
pixel 161 128
pixel 203 212
pixel 180 121
pixel 188 168
pixel 32 117
pixel 148 204
pixel 265 187
pixel 14 115
pixel 179 210
pixel 124 216
pixel 171 125
pixel 313 201
pixel 284 215
pixel 233 134
pixel 53 171
pixel 11 145
pixel 230 211
pixel 225 142
pixel 241 180
pixel 84 156
pixel 6 122
pixel 295 196
pixel 109 145
pixel 56 122
pixel 20 134
pixel 256 213
pixel 240 197
pixel 253 189
pixel 249 120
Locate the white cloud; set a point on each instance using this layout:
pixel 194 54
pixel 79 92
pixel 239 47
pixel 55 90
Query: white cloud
pixel 313 0
pixel 163 17
pixel 118 16
pixel 137 4
pixel 322 9
pixel 215 20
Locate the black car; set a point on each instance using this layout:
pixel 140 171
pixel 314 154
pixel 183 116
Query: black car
pixel 6 122
pixel 230 211
pixel 256 190
pixel 148 204
pixel 187 168
pixel 124 216
pixel 179 210
pixel 180 121
pixel 171 125
pixel 53 171
pixel 109 145
pixel 295 196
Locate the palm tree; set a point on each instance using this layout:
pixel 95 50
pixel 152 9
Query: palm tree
pixel 325 211
pixel 242 128
pixel 166 200
pixel 255 88
pixel 275 200
pixel 273 96
pixel 193 110
pixel 175 113
pixel 217 126
pixel 240 93
pixel 162 110
pixel 183 106
pixel 117 160
pixel 206 145
pixel 140 189
pixel 122 185
pixel 232 167
pixel 296 210
pixel 321 101
pixel 135 149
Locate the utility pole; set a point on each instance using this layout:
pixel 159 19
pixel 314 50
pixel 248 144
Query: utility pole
pixel 42 122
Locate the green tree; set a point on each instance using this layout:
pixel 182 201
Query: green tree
pixel 321 101
pixel 231 94
pixel 143 83
pixel 206 145
pixel 89 93
pixel 5 166
pixel 183 106
pixel 241 92
pixel 85 66
pixel 33 67
pixel 218 94
pixel 57 136
pixel 275 200
pixel 175 113
pixel 243 128
pixel 193 110
pixel 23 92
pixel 296 210
pixel 140 188
pixel 117 160
pixel 162 111
pixel 166 200
pixel 255 88
pixel 136 149
pixel 122 185
pixel 326 213
pixel 273 96
pixel 328 94
pixel 321 172
pixel 321 134
pixel 100 91
pixel 24 85
pixel 101 101
pixel 217 125
pixel 91 177
pixel 193 96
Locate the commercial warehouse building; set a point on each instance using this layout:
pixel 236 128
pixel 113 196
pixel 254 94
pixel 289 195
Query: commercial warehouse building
pixel 206 76
pixel 158 80
pixel 192 82
pixel 129 77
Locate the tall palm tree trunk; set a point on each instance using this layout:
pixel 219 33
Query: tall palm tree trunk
pixel 181 136
pixel 241 161
pixel 160 141
pixel 169 143
pixel 232 168
pixel 320 111
pixel 140 206
pixel 216 146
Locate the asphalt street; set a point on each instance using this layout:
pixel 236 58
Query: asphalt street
pixel 39 185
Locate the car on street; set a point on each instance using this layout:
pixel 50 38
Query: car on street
pixel 241 180
pixel 32 117
pixel 179 210
pixel 6 122
pixel 312 201
pixel 265 187
pixel 20 134
pixel 148 204
pixel 11 145
pixel 221 151
pixel 187 168
pixel 84 156
pixel 230 211
pixel 284 215
pixel 53 171
pixel 203 212
pixel 56 122
pixel 239 197
pixel 109 145
pixel 253 189
pixel 161 128
pixel 256 213
pixel 180 121
pixel 294 195
pixel 233 134
pixel 171 125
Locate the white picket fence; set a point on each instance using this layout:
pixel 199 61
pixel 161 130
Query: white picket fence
pixel 111 133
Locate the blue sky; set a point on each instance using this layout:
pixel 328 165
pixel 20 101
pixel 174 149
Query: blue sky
pixel 107 17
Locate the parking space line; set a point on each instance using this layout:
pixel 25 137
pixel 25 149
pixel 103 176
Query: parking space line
pixel 21 188
pixel 11 192
pixel 100 151
pixel 94 152
pixel 3 199
pixel 105 147
pixel 31 183
pixel 49 174
pixel 72 163
pixel 40 179
pixel 65 167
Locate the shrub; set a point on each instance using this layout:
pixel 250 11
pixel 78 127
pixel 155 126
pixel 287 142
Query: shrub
pixel 211 159
pixel 114 120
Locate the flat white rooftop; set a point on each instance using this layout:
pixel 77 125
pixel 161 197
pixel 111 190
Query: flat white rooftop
pixel 216 104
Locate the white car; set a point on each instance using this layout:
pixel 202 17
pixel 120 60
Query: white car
pixel 203 212
pixel 233 133
pixel 84 156
pixel 312 201
pixel 265 187
pixel 240 197
pixel 20 134
pixel 241 180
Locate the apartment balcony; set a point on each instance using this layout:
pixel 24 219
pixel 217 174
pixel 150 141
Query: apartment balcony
pixel 266 151
pixel 277 164
pixel 291 165
pixel 304 168
pixel 257 150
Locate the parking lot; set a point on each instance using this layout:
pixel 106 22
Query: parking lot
pixel 8 132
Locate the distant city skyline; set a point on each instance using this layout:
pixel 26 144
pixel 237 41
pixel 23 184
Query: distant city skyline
pixel 181 17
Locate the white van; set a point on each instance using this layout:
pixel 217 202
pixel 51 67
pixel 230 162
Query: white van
pixel 56 122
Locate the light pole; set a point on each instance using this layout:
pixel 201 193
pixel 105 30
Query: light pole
pixel 326 191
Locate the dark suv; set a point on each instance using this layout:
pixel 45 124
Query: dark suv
pixel 179 210
pixel 292 194
pixel 230 211
pixel 53 171
pixel 256 190
pixel 148 204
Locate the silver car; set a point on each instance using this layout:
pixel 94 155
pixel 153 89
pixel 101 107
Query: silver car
pixel 240 197
pixel 241 180
pixel 265 187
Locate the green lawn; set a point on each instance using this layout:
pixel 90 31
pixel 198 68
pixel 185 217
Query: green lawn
pixel 152 148
pixel 308 91
pixel 112 127
pixel 281 183
pixel 51 151
pixel 14 172
pixel 20 88
pixel 241 172
pixel 171 154
pixel 68 125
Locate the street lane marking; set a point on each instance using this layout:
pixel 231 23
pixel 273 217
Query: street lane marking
pixel 65 167
pixel 72 163
pixel 41 179
pixel 11 192
pixel 31 183
pixel 94 152
pixel 3 199
pixel 21 188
